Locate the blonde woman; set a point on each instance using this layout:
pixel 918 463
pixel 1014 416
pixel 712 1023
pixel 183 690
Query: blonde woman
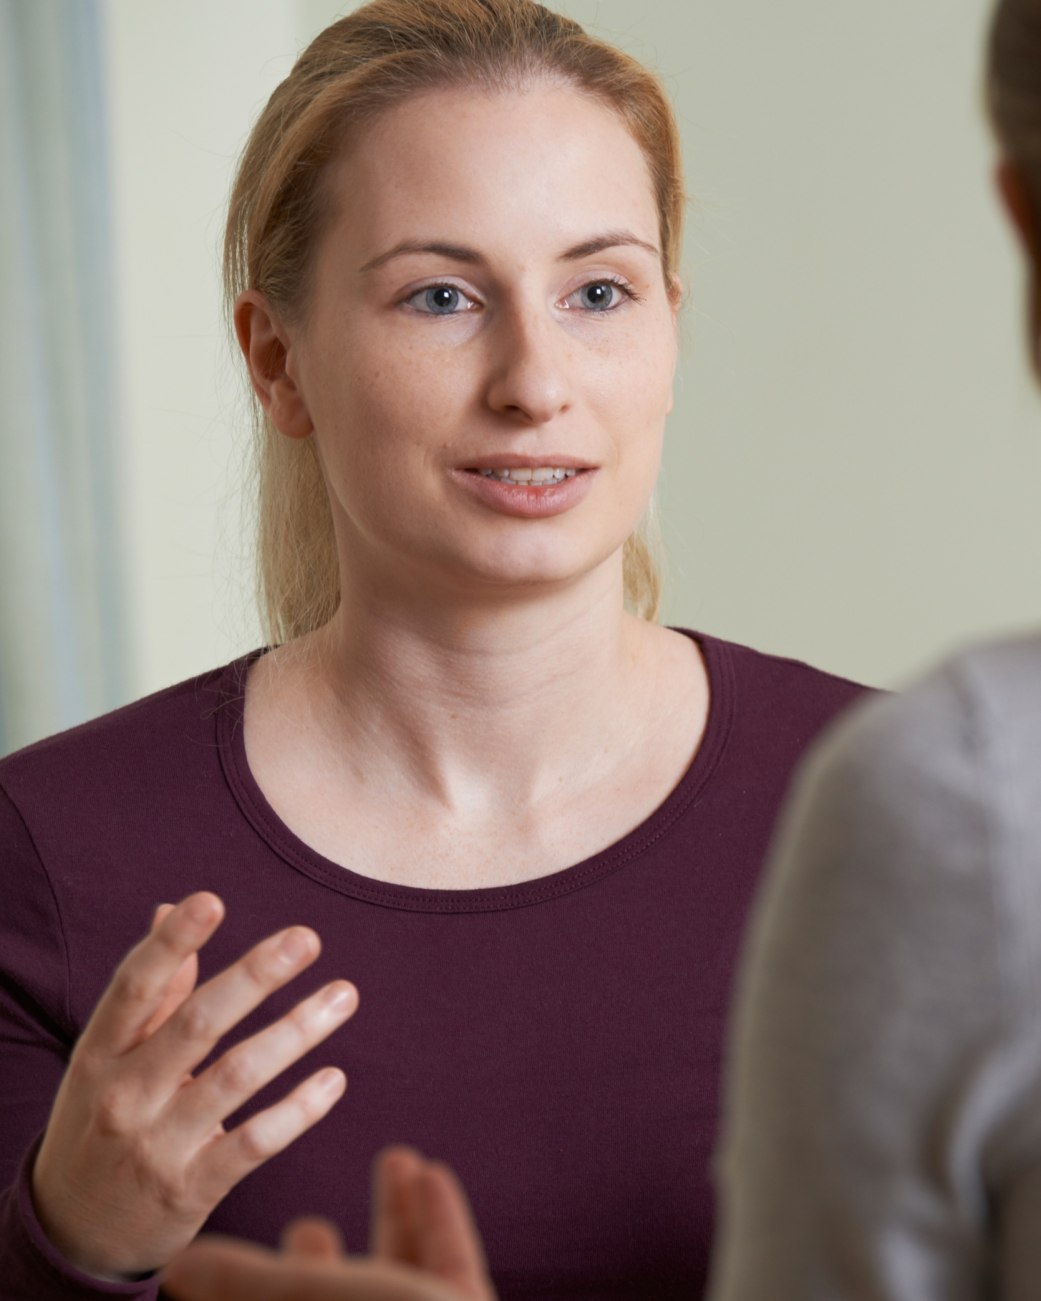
pixel 884 1132
pixel 472 778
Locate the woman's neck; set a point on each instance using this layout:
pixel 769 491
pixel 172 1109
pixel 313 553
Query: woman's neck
pixel 476 703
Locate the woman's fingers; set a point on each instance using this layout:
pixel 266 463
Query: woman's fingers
pixel 222 1269
pixel 421 1217
pixel 313 1239
pixel 392 1235
pixel 181 985
pixel 143 979
pixel 449 1243
pixel 193 1031
pixel 245 1069
pixel 451 1268
pixel 215 1269
pixel 232 1156
pixel 134 1157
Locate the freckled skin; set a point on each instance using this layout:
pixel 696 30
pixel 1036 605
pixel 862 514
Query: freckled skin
pixel 489 289
pixel 399 396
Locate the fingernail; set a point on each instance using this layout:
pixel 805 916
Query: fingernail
pixel 295 945
pixel 201 910
pixel 339 997
pixel 331 1080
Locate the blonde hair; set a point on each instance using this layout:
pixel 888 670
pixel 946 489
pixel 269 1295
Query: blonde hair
pixel 386 52
pixel 1014 106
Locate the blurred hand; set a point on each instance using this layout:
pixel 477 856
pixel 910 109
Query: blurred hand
pixel 425 1247
pixel 136 1156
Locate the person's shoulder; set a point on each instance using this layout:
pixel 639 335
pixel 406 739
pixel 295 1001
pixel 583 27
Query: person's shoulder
pixel 960 704
pixel 133 739
pixel 936 745
pixel 924 806
pixel 1000 682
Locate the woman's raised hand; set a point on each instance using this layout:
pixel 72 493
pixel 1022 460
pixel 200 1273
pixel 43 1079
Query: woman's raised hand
pixel 136 1156
pixel 425 1247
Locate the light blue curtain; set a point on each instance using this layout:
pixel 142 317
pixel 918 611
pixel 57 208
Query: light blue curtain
pixel 62 631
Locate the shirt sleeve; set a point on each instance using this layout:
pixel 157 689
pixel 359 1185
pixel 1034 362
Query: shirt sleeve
pixel 36 1037
pixel 880 1131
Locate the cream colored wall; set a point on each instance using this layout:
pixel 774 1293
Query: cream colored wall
pixel 185 81
pixel 855 455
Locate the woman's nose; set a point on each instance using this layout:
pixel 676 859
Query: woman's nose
pixel 529 379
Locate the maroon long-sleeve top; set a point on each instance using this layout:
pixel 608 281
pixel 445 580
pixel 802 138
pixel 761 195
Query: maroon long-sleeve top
pixel 557 1042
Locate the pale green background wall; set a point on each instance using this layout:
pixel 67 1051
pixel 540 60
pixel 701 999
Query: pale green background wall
pixel 855 456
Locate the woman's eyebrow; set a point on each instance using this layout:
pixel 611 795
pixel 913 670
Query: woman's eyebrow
pixel 609 239
pixel 460 253
pixel 454 252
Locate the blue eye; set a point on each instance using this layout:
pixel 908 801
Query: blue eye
pixel 601 296
pixel 439 300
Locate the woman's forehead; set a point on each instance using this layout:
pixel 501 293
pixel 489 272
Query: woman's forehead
pixel 541 156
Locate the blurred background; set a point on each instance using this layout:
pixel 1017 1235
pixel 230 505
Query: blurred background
pixel 854 462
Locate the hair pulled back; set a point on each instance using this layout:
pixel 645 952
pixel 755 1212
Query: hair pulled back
pixel 1014 104
pixel 382 54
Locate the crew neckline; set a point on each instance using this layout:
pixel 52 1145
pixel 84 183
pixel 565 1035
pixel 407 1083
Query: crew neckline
pixel 298 854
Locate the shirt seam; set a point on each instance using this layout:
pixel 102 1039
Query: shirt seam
pixel 611 860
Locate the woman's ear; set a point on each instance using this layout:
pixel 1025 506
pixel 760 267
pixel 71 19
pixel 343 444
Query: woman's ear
pixel 266 345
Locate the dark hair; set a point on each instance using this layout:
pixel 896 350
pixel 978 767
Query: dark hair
pixel 1014 105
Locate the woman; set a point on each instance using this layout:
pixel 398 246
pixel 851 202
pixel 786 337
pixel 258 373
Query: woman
pixel 525 819
pixel 884 1133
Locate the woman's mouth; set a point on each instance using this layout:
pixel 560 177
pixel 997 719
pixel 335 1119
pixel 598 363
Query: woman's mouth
pixel 529 476
pixel 529 491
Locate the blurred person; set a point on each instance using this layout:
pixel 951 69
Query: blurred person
pixel 883 1131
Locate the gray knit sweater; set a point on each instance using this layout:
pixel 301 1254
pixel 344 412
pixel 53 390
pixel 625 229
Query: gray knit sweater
pixel 883 1124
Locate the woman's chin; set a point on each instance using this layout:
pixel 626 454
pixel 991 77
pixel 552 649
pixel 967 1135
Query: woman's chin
pixel 443 571
pixel 521 579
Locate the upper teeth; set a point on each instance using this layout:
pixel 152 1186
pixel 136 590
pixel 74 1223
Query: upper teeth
pixel 543 474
